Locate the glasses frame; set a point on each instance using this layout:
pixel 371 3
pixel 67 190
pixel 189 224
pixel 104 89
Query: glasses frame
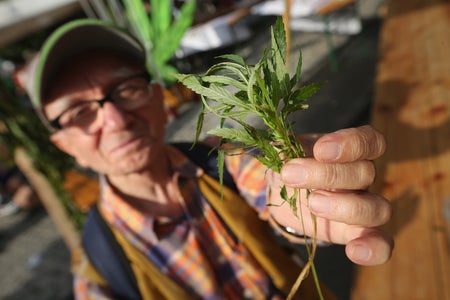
pixel 108 98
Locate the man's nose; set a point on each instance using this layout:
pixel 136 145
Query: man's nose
pixel 113 118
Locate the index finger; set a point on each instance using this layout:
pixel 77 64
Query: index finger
pixel 348 145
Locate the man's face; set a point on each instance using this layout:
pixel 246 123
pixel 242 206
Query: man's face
pixel 119 141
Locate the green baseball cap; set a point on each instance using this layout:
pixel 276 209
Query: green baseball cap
pixel 75 37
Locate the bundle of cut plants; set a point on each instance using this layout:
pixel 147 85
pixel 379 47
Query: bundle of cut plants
pixel 233 90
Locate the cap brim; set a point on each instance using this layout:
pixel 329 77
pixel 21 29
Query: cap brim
pixel 76 37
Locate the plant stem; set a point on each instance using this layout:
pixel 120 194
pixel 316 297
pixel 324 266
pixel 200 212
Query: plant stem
pixel 311 255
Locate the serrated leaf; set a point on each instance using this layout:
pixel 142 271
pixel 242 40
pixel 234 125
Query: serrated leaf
pixel 224 80
pixel 170 33
pixel 232 134
pixel 283 193
pixel 295 101
pixel 220 168
pixel 296 78
pixel 211 92
pixel 137 16
pixel 280 37
pixel 273 66
pixel 161 15
pixel 200 120
pixel 233 57
pixel 229 69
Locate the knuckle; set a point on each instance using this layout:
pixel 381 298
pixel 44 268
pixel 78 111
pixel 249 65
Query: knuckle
pixel 381 143
pixel 365 143
pixel 385 211
pixel 357 213
pixel 330 176
pixel 367 211
pixel 366 174
pixel 375 142
pixel 376 211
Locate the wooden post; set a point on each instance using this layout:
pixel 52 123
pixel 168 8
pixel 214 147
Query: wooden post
pixel 412 110
pixel 49 199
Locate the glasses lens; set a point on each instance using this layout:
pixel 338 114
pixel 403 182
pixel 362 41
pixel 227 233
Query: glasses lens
pixel 132 93
pixel 83 114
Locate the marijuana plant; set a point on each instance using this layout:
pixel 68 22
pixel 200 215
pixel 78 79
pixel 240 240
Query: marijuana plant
pixel 233 90
pixel 158 24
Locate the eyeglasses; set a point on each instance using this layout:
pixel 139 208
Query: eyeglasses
pixel 130 94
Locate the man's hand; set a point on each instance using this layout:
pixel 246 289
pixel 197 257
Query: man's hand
pixel 338 176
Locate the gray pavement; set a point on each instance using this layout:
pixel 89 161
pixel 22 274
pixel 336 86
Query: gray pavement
pixel 34 261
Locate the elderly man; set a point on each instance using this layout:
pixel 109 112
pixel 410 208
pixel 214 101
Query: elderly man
pixel 93 90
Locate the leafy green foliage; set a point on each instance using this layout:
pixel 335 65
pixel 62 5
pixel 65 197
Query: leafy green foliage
pixel 160 32
pixel 157 24
pixel 233 90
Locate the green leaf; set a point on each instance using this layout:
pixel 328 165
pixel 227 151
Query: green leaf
pixel 233 134
pixel 220 168
pixel 295 101
pixel 217 79
pixel 229 69
pixel 170 37
pixel 136 13
pixel 200 120
pixel 283 193
pixel 279 38
pixel 211 92
pixel 233 57
pixel 281 74
pixel 167 72
pixel 296 78
pixel 161 15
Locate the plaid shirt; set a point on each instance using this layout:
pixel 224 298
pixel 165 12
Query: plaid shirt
pixel 199 253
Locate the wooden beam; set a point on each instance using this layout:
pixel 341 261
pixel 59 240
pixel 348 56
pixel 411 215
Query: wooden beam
pixel 49 199
pixel 412 109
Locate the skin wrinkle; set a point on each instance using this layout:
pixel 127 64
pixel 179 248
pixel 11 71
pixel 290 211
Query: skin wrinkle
pixel 360 212
pixel 356 144
pixel 331 174
pixel 367 172
pixel 365 147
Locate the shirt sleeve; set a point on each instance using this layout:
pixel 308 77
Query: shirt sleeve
pixel 249 176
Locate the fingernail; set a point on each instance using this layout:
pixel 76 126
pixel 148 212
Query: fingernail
pixel 329 151
pixel 361 253
pixel 294 174
pixel 318 204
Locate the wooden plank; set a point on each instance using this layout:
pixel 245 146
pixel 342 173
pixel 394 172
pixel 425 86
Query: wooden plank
pixel 412 109
pixel 49 199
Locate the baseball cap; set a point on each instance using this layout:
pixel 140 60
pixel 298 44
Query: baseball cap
pixel 75 37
